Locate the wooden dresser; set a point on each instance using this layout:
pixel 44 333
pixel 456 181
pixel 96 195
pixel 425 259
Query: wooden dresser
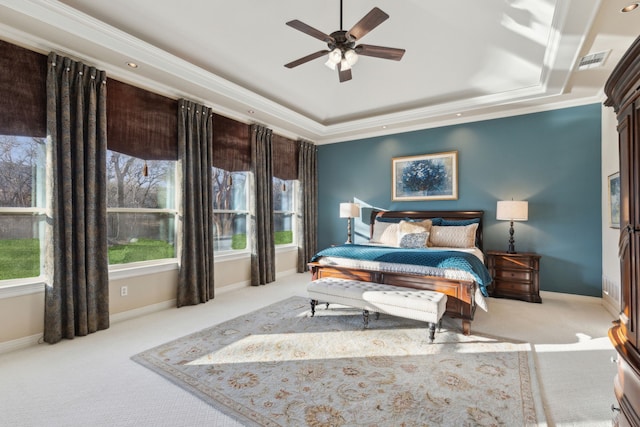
pixel 623 94
pixel 515 276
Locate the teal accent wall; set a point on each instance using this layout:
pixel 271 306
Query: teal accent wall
pixel 551 159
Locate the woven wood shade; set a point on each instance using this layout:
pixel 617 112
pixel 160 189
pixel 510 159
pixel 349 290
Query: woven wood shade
pixel 140 123
pixel 23 93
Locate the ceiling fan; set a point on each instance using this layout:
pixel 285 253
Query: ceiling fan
pixel 342 50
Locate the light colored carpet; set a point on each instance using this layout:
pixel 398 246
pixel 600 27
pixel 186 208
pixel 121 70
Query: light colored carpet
pixel 92 381
pixel 280 367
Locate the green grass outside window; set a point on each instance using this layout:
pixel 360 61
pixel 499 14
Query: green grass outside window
pixel 20 258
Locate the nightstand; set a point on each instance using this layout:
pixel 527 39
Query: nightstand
pixel 515 276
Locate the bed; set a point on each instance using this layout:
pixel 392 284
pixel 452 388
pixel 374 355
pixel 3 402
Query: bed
pixel 433 250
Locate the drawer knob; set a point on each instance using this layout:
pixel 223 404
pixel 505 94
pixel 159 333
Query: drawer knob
pixel 614 359
pixel 614 408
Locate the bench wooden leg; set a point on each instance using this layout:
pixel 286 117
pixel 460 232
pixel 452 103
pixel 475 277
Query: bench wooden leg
pixel 365 316
pixel 432 331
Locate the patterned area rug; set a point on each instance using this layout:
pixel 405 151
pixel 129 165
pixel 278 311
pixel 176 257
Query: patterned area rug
pixel 280 367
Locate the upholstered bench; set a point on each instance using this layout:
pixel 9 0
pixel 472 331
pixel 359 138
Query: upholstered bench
pixel 416 304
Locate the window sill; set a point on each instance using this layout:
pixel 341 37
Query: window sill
pixel 33 285
pixel 19 287
pixel 286 248
pixel 230 256
pixel 134 269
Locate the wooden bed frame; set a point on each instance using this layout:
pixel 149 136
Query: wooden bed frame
pixel 461 293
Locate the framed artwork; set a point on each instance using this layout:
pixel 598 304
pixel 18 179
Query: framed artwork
pixel 425 177
pixel 614 200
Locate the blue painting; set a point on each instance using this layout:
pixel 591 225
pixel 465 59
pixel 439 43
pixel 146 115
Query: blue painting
pixel 425 177
pixel 614 200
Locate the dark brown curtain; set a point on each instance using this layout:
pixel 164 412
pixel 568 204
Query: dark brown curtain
pixel 195 141
pixel 263 268
pixel 140 123
pixel 23 94
pixel 308 202
pixel 77 291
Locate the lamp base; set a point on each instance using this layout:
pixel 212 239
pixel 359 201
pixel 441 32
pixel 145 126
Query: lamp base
pixel 512 248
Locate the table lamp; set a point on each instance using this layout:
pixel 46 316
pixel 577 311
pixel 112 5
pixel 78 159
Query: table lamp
pixel 349 210
pixel 510 210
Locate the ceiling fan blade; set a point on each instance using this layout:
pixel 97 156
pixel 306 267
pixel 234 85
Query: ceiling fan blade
pixel 380 51
pixel 344 75
pixel 307 58
pixel 301 26
pixel 367 23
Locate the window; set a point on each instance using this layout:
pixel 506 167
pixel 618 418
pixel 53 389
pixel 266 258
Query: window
pixel 284 210
pixel 230 210
pixel 141 209
pixel 22 203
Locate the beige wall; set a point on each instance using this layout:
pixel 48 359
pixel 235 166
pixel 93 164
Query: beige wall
pixel 22 317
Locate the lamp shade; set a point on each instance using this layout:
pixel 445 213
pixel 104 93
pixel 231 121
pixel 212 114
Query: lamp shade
pixel 513 210
pixel 349 210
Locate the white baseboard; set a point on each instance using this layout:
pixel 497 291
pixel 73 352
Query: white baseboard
pixel 20 343
pixel 611 305
pixel 137 312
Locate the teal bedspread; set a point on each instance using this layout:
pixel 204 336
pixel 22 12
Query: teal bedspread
pixel 426 257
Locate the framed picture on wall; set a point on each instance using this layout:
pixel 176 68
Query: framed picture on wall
pixel 425 177
pixel 614 200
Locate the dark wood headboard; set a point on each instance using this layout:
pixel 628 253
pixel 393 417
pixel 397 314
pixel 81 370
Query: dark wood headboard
pixel 451 215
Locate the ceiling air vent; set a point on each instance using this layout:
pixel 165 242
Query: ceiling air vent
pixel 593 60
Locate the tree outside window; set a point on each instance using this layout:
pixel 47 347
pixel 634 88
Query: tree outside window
pixel 22 203
pixel 284 210
pixel 141 208
pixel 230 207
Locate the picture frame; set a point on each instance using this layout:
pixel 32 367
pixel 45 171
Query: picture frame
pixel 614 200
pixel 425 177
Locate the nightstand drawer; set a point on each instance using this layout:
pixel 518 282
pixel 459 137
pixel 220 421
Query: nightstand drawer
pixel 525 263
pixel 524 275
pixel 511 288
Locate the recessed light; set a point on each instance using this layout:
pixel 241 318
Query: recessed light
pixel 459 115
pixel 630 7
pixel 132 64
pixel 384 126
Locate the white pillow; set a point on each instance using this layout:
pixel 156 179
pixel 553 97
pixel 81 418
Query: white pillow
pixel 453 236
pixel 415 226
pixel 386 233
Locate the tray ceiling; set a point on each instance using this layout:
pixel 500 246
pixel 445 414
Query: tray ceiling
pixel 465 60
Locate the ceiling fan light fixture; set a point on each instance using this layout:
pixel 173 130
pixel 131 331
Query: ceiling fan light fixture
pixel 344 65
pixel 330 64
pixel 351 57
pixel 334 58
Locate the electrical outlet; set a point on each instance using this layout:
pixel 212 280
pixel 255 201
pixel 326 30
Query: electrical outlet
pixel 124 291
